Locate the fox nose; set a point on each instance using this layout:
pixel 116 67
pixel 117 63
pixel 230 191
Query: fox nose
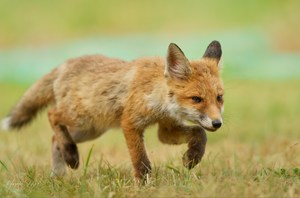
pixel 217 123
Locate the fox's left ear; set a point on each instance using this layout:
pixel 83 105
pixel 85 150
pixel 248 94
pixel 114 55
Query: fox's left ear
pixel 213 51
pixel 177 65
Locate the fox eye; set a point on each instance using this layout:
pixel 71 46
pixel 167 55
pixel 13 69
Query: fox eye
pixel 220 98
pixel 197 99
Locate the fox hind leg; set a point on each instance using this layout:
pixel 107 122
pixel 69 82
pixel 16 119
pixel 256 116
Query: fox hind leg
pixel 69 149
pixel 63 147
pixel 58 162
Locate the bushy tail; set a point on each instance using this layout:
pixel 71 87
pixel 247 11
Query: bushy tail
pixel 35 99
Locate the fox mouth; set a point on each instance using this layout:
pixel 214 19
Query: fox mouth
pixel 202 125
pixel 206 123
pixel 209 124
pixel 210 129
pixel 207 127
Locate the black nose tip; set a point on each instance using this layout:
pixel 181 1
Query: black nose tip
pixel 216 123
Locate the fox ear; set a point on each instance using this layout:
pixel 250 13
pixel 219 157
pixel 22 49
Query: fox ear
pixel 213 51
pixel 177 65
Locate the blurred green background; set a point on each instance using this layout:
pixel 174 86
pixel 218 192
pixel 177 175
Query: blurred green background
pixel 260 39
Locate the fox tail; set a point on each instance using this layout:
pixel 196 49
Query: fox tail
pixel 35 99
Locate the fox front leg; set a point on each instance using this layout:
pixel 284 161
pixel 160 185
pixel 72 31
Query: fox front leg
pixel 196 147
pixel 135 143
pixel 194 136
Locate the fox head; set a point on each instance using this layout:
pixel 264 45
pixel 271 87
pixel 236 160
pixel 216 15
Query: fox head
pixel 195 88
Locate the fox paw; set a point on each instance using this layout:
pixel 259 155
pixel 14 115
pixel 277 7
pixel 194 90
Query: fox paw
pixel 57 174
pixel 70 155
pixel 190 159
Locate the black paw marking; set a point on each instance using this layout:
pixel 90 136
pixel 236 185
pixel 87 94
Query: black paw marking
pixel 71 155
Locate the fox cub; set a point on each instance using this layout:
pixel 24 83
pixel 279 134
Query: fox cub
pixel 90 94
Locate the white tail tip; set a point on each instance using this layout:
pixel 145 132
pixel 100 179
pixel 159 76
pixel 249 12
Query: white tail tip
pixel 5 124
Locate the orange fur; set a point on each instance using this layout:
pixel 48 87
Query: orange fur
pixel 91 94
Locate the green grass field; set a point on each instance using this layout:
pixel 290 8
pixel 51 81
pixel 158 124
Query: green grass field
pixel 256 153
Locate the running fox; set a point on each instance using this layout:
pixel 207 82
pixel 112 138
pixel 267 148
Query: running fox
pixel 90 94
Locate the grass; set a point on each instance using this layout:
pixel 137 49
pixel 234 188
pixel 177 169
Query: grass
pixel 256 153
pixel 88 161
